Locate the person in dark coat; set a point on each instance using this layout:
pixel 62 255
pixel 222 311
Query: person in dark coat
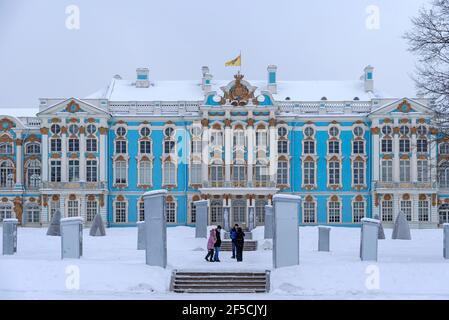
pixel 240 241
pixel 217 244
pixel 233 236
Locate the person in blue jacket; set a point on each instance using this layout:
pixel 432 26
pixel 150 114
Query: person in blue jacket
pixel 233 236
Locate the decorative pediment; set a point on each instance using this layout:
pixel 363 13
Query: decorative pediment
pixel 403 106
pixel 6 124
pixel 72 106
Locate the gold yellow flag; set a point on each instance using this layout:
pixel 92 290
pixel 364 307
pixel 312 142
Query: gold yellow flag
pixel 237 62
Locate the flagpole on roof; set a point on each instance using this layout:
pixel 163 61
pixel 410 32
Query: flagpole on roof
pixel 240 67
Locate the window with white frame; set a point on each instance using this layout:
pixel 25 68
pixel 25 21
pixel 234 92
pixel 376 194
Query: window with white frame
pixel 141 211
pixel 358 211
pixel 74 170
pixel 334 212
pixel 423 170
pixel 120 212
pixel 358 147
pixel 6 174
pixel 422 145
pixel 387 171
pixel 5 211
pixel 334 147
pixel 404 170
pixel 238 173
pixel 309 213
pixel 169 176
pixel 91 210
pixel 5 148
pixel 309 173
pixel 216 174
pixel 423 210
pixel 91 129
pixel 91 171
pixel 169 147
pixel 216 211
pixel 55 128
pixel 282 146
pixel 120 146
pixel 443 177
pixel 261 173
pixel 72 208
pixel 196 146
pixel 55 170
pixel 387 210
pixel 54 206
pixel 33 148
pixel 404 145
pixel 120 172
pixel 55 145
pixel 33 173
pixel 91 145
pixel 443 149
pixel 406 208
pixel 282 172
pixel 32 213
pixel 358 173
pixel 74 145
pixel 216 138
pixel 334 172
pixel 145 169
pixel 196 173
pixel 239 138
pixel 387 145
pixel 261 138
pixel 260 211
pixel 145 147
pixel 170 211
pixel 309 147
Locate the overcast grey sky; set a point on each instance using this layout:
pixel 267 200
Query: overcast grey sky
pixel 308 40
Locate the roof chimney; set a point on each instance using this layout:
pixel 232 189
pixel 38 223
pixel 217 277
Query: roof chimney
pixel 142 78
pixel 272 84
pixel 206 79
pixel 369 79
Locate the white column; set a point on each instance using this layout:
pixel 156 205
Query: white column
pixel 64 168
pixel 83 207
pixel 228 149
pixel 396 156
pixel 62 205
pixel 103 152
pixel 44 149
pixel 433 158
pixel 205 151
pixel 19 160
pixel 250 135
pixel 414 159
pixel 376 154
pixel 273 151
pixel 82 154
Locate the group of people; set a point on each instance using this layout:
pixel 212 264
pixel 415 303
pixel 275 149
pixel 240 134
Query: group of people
pixel 214 243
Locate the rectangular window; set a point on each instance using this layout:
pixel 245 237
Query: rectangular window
pixel 55 170
pixel 195 173
pixel 359 173
pixel 387 145
pixel 72 208
pixel 91 170
pixel 387 171
pixel 55 145
pixel 309 173
pixel 334 212
pixel 170 212
pixel 169 147
pixel 145 147
pixel 120 172
pixel 145 169
pixel 261 138
pixel 169 173
pixel 406 207
pixel 91 145
pixel 261 174
pixel 358 211
pixel 282 146
pixel 358 147
pixel 238 173
pixel 282 173
pixel 387 210
pixel 309 212
pixel 91 211
pixel 423 171
pixel 239 138
pixel 120 212
pixel 421 145
pixel 120 146
pixel 334 147
pixel 74 170
pixel 404 145
pixel 216 175
pixel 334 173
pixel 404 170
pixel 309 147
pixel 74 145
pixel 196 146
pixel 423 210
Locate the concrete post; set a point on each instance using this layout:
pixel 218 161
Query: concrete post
pixel 141 235
pixel 446 241
pixel 201 218
pixel 268 231
pixel 71 238
pixel 155 228
pixel 324 238
pixel 368 240
pixel 286 232
pixel 10 236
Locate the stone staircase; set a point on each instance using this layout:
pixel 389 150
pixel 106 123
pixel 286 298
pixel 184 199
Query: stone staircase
pixel 250 245
pixel 220 282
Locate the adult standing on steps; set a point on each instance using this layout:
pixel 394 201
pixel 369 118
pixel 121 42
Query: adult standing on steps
pixel 233 236
pixel 210 245
pixel 240 241
pixel 217 244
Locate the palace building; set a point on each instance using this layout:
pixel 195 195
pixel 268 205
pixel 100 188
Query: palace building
pixel 348 150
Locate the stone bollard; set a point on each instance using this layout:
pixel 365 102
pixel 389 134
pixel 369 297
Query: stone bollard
pixel 141 235
pixel 324 238
pixel 10 236
pixel 268 231
pixel 286 232
pixel 368 239
pixel 201 219
pixel 446 240
pixel 71 238
pixel 155 228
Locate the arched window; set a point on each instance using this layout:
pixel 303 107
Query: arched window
pixel 423 208
pixel 358 175
pixel 120 172
pixel 121 211
pixel 6 174
pixel 239 211
pixel 443 177
pixel 309 210
pixel 444 148
pixel 239 138
pixel 32 213
pixel 358 209
pixel 5 211
pixel 216 212
pixel 216 138
pixel 170 210
pixel 239 173
pixel 334 210
pixel 309 172
pixel 5 148
pixel 261 173
pixel 261 138
pixel 282 172
pixel 145 170
pixel 33 148
pixel 33 173
pixel 216 174
pixel 260 211
pixel 169 177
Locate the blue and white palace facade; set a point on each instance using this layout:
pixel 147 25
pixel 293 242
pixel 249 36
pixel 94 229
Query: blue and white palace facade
pixel 348 150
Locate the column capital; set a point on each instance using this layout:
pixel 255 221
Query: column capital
pixel 205 122
pixel 250 122
pixel 19 142
pixel 63 129
pixel 44 130
pixel 272 122
pixel 82 130
pixel 375 130
pixel 103 130
pixel 227 123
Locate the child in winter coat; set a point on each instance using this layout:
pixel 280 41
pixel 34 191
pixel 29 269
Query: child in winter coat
pixel 210 245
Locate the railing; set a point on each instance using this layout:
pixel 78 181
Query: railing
pixel 239 184
pixel 405 185
pixel 74 185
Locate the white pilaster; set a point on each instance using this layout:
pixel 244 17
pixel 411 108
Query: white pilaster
pixel 376 150
pixel 103 152
pixel 44 149
pixel 433 158
pixel 62 206
pixel 250 135
pixel 19 161
pixel 205 151
pixel 64 167
pixel 396 154
pixel 228 153
pixel 83 207
pixel 82 154
pixel 414 159
pixel 273 152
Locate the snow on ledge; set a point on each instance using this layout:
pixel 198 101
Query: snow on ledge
pixel 72 219
pixel 289 197
pixel 153 193
pixel 370 220
pixel 10 220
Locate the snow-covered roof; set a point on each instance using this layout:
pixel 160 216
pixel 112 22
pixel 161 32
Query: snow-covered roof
pixel 125 90
pixel 19 111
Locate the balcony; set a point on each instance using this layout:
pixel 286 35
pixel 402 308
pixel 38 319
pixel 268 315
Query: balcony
pixel 405 185
pixel 74 185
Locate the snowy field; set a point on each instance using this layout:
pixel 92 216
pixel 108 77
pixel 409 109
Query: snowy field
pixel 112 268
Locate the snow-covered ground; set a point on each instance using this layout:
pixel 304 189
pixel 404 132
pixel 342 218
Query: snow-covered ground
pixel 112 268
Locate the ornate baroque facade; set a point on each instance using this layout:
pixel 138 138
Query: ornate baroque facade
pixel 348 150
